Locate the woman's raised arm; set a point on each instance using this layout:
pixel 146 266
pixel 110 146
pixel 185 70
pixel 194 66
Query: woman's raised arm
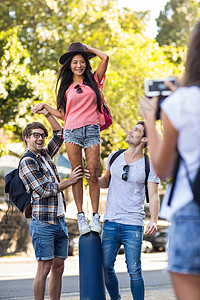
pixel 101 70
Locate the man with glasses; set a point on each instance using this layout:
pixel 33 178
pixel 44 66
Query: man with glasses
pixel 48 226
pixel 123 219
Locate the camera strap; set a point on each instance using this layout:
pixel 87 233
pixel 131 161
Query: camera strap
pixel 160 100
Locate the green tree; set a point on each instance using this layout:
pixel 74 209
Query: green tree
pixel 176 22
pixel 15 85
pixel 19 90
pixel 133 57
pixel 47 27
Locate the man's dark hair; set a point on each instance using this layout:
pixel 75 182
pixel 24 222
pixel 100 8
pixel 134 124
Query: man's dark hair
pixel 34 125
pixel 144 131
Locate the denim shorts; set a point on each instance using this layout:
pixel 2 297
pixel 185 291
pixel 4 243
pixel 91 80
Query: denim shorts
pixel 184 241
pixel 50 240
pixel 85 136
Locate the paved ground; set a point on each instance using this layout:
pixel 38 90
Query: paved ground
pixel 17 273
pixel 152 293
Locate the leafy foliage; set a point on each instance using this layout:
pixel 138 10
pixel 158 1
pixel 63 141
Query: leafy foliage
pixel 176 21
pixel 47 27
pixel 16 86
pixel 38 32
pixel 134 60
pixel 19 90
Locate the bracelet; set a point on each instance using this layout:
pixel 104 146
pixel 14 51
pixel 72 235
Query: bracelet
pixel 47 115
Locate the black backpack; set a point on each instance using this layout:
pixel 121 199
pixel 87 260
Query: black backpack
pixel 16 189
pixel 147 169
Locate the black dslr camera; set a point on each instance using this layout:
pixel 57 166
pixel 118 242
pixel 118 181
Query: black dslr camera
pixel 157 88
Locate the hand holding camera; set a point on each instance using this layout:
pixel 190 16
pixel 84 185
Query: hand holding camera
pixel 160 88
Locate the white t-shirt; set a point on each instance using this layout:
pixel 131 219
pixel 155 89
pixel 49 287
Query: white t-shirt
pixel 125 199
pixel 183 110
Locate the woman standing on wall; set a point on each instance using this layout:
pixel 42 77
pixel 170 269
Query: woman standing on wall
pixel 79 104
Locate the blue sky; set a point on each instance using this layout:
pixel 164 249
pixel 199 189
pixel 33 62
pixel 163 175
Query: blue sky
pixel 155 6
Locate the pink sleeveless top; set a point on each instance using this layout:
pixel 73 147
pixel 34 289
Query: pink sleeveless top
pixel 81 109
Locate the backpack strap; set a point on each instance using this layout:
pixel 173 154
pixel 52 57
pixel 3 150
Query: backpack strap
pixel 116 155
pixel 147 170
pixel 29 154
pixel 195 184
pixel 175 172
pixel 195 187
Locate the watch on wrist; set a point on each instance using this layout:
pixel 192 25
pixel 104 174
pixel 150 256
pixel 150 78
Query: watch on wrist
pixel 47 115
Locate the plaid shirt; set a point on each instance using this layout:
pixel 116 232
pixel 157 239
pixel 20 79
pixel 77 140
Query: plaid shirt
pixel 37 178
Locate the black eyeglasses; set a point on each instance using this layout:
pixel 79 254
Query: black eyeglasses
pixel 125 174
pixel 37 135
pixel 78 89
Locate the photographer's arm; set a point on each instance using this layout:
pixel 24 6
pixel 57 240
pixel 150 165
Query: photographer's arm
pixel 163 151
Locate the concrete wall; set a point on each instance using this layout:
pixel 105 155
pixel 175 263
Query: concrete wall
pixel 14 233
pixel 14 227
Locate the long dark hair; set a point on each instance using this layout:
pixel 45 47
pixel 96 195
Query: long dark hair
pixel 192 65
pixel 65 78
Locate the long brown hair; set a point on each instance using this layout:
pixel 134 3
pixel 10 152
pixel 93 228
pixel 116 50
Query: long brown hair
pixel 65 78
pixel 192 65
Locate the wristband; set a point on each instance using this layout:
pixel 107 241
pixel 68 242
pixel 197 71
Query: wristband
pixel 47 115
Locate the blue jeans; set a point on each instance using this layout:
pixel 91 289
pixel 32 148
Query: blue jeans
pixel 113 236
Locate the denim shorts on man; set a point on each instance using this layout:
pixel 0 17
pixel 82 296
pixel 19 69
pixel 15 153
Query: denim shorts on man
pixel 184 241
pixel 50 240
pixel 85 136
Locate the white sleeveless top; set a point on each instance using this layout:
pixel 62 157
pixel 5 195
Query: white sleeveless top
pixel 183 110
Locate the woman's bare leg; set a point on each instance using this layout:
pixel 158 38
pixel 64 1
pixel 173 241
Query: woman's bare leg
pixel 74 153
pixel 92 155
pixel 187 287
